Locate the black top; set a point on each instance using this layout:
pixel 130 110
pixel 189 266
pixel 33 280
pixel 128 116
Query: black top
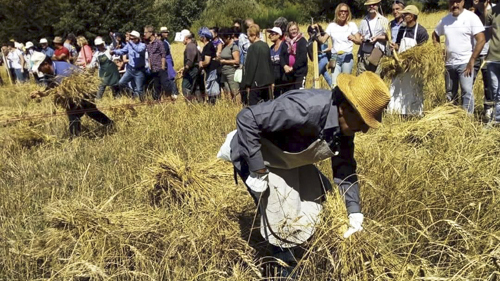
pixel 258 66
pixel 422 35
pixel 279 59
pixel 211 51
pixel 300 66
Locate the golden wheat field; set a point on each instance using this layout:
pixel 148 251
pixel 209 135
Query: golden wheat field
pixel 149 200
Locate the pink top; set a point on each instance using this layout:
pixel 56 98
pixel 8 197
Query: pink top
pixel 85 55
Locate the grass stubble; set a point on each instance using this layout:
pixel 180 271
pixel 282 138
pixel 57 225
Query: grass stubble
pixel 150 202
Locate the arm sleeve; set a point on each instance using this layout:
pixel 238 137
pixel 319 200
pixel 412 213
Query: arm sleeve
pixel 476 24
pixel 138 47
pixel 162 50
pixel 266 118
pixel 191 54
pixel 250 67
pixel 354 28
pixel 344 175
pixel 122 51
pixel 399 36
pixel 284 55
pixel 439 28
pixel 301 60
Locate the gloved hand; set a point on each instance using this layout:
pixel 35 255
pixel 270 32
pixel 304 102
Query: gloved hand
pixel 355 222
pixel 257 182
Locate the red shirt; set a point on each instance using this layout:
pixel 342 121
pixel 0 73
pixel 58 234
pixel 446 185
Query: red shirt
pixel 61 51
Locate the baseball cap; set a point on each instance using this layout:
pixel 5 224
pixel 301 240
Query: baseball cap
pixel 29 44
pixel 37 58
pixel 410 9
pixel 275 30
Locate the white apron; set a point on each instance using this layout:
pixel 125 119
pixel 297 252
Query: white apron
pixel 406 91
pixel 291 206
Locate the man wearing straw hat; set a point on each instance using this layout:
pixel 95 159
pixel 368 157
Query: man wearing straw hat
pixel 277 143
pixel 373 37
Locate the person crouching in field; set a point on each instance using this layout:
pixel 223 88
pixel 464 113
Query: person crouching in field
pixel 56 71
pixel 278 142
pixel 406 92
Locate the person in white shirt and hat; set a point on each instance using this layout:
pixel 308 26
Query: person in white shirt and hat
pixel 406 92
pixel 46 50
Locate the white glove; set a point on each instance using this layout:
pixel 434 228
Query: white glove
pixel 225 150
pixel 257 182
pixel 355 222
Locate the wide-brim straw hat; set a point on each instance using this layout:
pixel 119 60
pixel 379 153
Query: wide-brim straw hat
pixel 368 95
pixel 57 40
pixel 371 2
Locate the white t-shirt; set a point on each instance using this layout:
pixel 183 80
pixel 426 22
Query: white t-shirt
pixel 459 32
pixel 14 59
pixel 339 35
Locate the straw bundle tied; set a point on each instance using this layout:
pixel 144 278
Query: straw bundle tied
pixel 72 90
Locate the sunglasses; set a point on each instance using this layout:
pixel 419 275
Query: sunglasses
pixel 343 12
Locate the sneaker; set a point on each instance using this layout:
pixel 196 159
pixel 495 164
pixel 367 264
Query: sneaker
pixel 487 115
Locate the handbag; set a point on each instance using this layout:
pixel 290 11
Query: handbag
pixel 238 75
pixel 375 56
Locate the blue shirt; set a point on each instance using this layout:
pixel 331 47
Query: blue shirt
pixel 62 70
pixel 49 52
pixel 136 54
pixel 395 29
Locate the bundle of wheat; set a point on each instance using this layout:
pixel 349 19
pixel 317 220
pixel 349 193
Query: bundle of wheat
pixel 73 89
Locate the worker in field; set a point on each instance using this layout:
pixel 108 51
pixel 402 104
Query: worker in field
pixel 56 71
pixel 278 142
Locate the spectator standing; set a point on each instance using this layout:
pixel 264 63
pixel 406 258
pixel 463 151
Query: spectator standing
pixel 243 42
pixel 480 9
pixel 172 88
pixel 216 40
pixel 398 20
pixel 70 45
pixel 258 75
pixel 108 70
pixel 282 23
pixel 135 69
pixel 493 59
pixel 16 62
pixel 191 72
pixel 297 56
pixel 230 61
pixel 324 51
pixel 460 28
pixel 209 64
pixel 279 59
pixel 343 32
pixel 46 50
pixel 61 53
pixel 373 38
pixel 157 61
pixel 85 55
pixel 406 91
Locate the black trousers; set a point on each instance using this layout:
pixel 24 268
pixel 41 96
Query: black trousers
pixel 259 94
pixel 488 95
pixel 75 113
pixel 160 82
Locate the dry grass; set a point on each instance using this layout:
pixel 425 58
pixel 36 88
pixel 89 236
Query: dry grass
pixel 150 202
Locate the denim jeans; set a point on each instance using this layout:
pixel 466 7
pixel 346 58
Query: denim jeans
pixel 453 78
pixel 494 79
pixel 20 76
pixel 345 63
pixel 136 75
pixel 323 69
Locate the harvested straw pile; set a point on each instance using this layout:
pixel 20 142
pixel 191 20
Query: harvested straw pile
pixel 194 237
pixel 29 136
pixel 74 89
pixel 430 190
pixel 426 64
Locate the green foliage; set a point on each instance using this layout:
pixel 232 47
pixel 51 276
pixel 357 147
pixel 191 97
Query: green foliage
pixel 223 12
pixel 267 17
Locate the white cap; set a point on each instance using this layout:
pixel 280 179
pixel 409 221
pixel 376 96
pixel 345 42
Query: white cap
pixel 37 58
pixel 98 41
pixel 275 30
pixel 163 29
pixel 44 41
pixel 185 33
pixel 135 34
pixel 29 44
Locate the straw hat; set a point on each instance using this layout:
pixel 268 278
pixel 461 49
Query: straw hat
pixel 371 2
pixel 135 34
pixel 367 93
pixel 43 41
pixel 98 41
pixel 163 29
pixel 57 40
